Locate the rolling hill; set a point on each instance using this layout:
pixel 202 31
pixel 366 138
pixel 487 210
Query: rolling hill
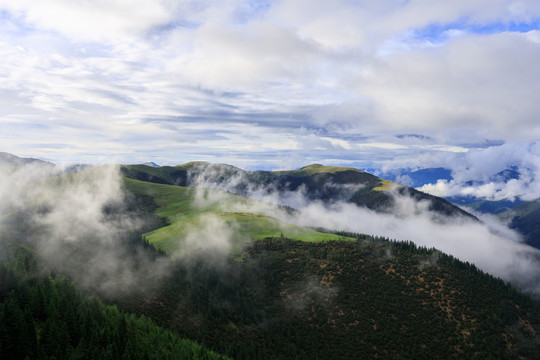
pixel 283 295
pixel 193 211
pixel 314 182
pixel 220 273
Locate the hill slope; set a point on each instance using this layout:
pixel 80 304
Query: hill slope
pixel 390 300
pixel 212 214
pixel 366 298
pixel 525 218
pixel 313 182
pixel 46 317
pixel 263 298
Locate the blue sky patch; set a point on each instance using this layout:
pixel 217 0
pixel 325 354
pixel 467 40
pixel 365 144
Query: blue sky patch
pixel 437 33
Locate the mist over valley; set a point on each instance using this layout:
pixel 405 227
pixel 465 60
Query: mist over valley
pixel 223 256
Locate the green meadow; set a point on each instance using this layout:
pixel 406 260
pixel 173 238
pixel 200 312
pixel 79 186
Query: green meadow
pixel 215 213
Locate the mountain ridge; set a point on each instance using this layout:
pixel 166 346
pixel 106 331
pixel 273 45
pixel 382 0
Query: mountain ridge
pixel 273 297
pixel 318 182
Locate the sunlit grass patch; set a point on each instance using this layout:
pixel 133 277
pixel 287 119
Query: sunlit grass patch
pixel 188 211
pixel 385 185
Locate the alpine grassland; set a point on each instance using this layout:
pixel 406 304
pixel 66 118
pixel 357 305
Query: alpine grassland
pixel 187 211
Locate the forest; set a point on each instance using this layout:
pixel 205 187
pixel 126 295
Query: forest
pixel 47 317
pixel 282 299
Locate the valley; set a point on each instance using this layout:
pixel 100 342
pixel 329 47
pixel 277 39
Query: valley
pixel 209 271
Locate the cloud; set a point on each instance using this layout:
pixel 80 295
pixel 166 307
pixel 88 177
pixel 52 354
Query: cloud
pixel 474 82
pixel 249 56
pixel 183 80
pixel 91 21
pixel 474 173
pixel 211 239
pixel 488 243
pixel 79 225
pixel 307 292
pixel 345 24
pixel 77 235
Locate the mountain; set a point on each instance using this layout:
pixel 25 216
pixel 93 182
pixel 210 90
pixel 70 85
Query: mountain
pixel 521 215
pixel 181 272
pixel 421 177
pixel 506 175
pixel 485 206
pixel 10 160
pixel 314 182
pixel 525 218
pixel 365 296
pixel 190 211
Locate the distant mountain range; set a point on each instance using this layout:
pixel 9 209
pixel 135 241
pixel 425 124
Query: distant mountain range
pixel 416 178
pixel 14 162
pixel 419 177
pixel 523 216
pixel 8 159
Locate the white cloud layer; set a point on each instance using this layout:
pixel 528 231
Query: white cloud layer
pixel 473 174
pixel 286 81
pixel 79 225
pixel 489 245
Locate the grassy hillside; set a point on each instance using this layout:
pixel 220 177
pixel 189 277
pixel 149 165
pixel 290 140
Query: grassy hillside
pixel 315 182
pixel 317 169
pixel 276 297
pixel 189 211
pixel 387 299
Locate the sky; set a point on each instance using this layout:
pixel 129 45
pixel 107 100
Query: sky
pixel 275 84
